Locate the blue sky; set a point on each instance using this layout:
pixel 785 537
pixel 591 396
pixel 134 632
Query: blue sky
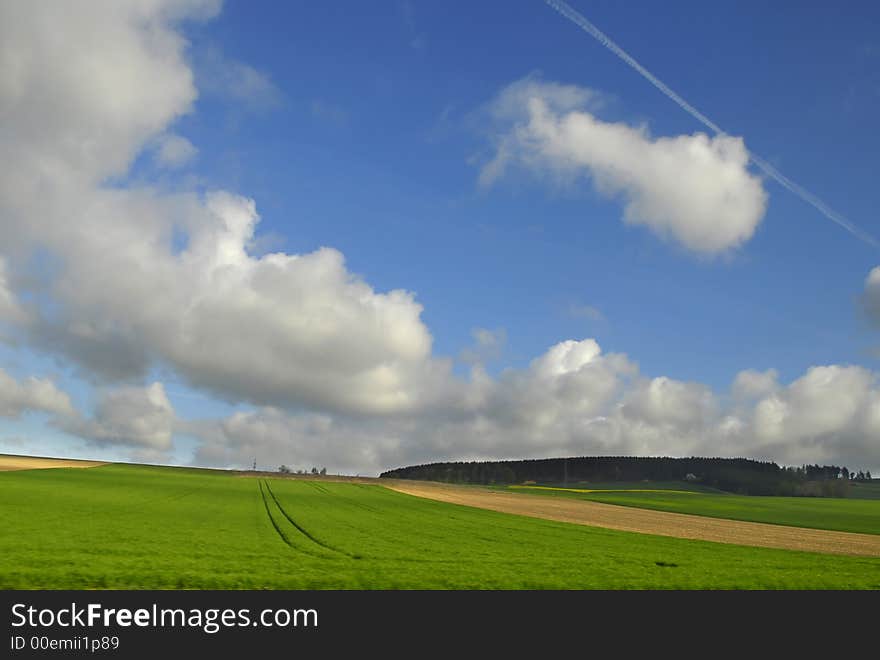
pixel 364 127
pixel 383 173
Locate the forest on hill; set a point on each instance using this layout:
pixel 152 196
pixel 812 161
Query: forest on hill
pixel 736 475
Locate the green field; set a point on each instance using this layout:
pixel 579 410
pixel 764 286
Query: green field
pixel 841 514
pixel 633 485
pixel 145 527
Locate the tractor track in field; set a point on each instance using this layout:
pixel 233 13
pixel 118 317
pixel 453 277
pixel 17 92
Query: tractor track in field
pixel 280 531
pixel 647 521
pixel 318 487
pixel 358 504
pixel 265 488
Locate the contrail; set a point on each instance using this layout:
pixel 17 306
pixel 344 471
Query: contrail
pixel 578 19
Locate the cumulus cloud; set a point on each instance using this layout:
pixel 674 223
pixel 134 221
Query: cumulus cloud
pixel 173 151
pixel 140 276
pixel 830 414
pixel 663 401
pixel 34 394
pixel 281 329
pixel 555 406
pixel 751 384
pixel 488 345
pixel 81 90
pixel 10 309
pixel 274 437
pixel 140 417
pixel 693 189
pixel 576 400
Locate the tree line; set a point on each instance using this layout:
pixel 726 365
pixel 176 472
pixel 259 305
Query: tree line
pixel 283 469
pixel 736 475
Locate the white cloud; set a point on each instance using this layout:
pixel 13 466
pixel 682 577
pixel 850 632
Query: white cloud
pixel 576 400
pixel 272 438
pixel 79 104
pixel 824 400
pixel 10 309
pixel 871 296
pixel 288 329
pixel 140 417
pixel 81 90
pixel 553 407
pixel 588 312
pixel 751 384
pixel 280 329
pixel 36 394
pixel 566 357
pixel 220 75
pixel 511 104
pixel 173 151
pixel 488 345
pixel 661 401
pixel 694 189
pixel 830 414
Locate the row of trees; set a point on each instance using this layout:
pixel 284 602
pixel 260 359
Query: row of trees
pixel 823 472
pixel 819 480
pixel 736 475
pixel 283 469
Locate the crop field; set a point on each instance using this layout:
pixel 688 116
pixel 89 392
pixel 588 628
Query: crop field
pixel 684 486
pixel 555 489
pixel 8 462
pixel 841 514
pixel 139 527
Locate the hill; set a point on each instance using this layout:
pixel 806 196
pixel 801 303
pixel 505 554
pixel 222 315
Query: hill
pixel 736 475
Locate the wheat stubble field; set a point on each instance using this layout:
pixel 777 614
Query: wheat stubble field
pixel 143 527
pixel 11 462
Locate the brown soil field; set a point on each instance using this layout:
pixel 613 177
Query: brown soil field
pixel 8 462
pixel 645 521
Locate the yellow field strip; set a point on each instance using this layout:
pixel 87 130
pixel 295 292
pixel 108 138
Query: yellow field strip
pixel 632 519
pixel 8 463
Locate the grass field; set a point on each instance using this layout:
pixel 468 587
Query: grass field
pixel 556 489
pixel 146 527
pixel 840 514
pixel 686 486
